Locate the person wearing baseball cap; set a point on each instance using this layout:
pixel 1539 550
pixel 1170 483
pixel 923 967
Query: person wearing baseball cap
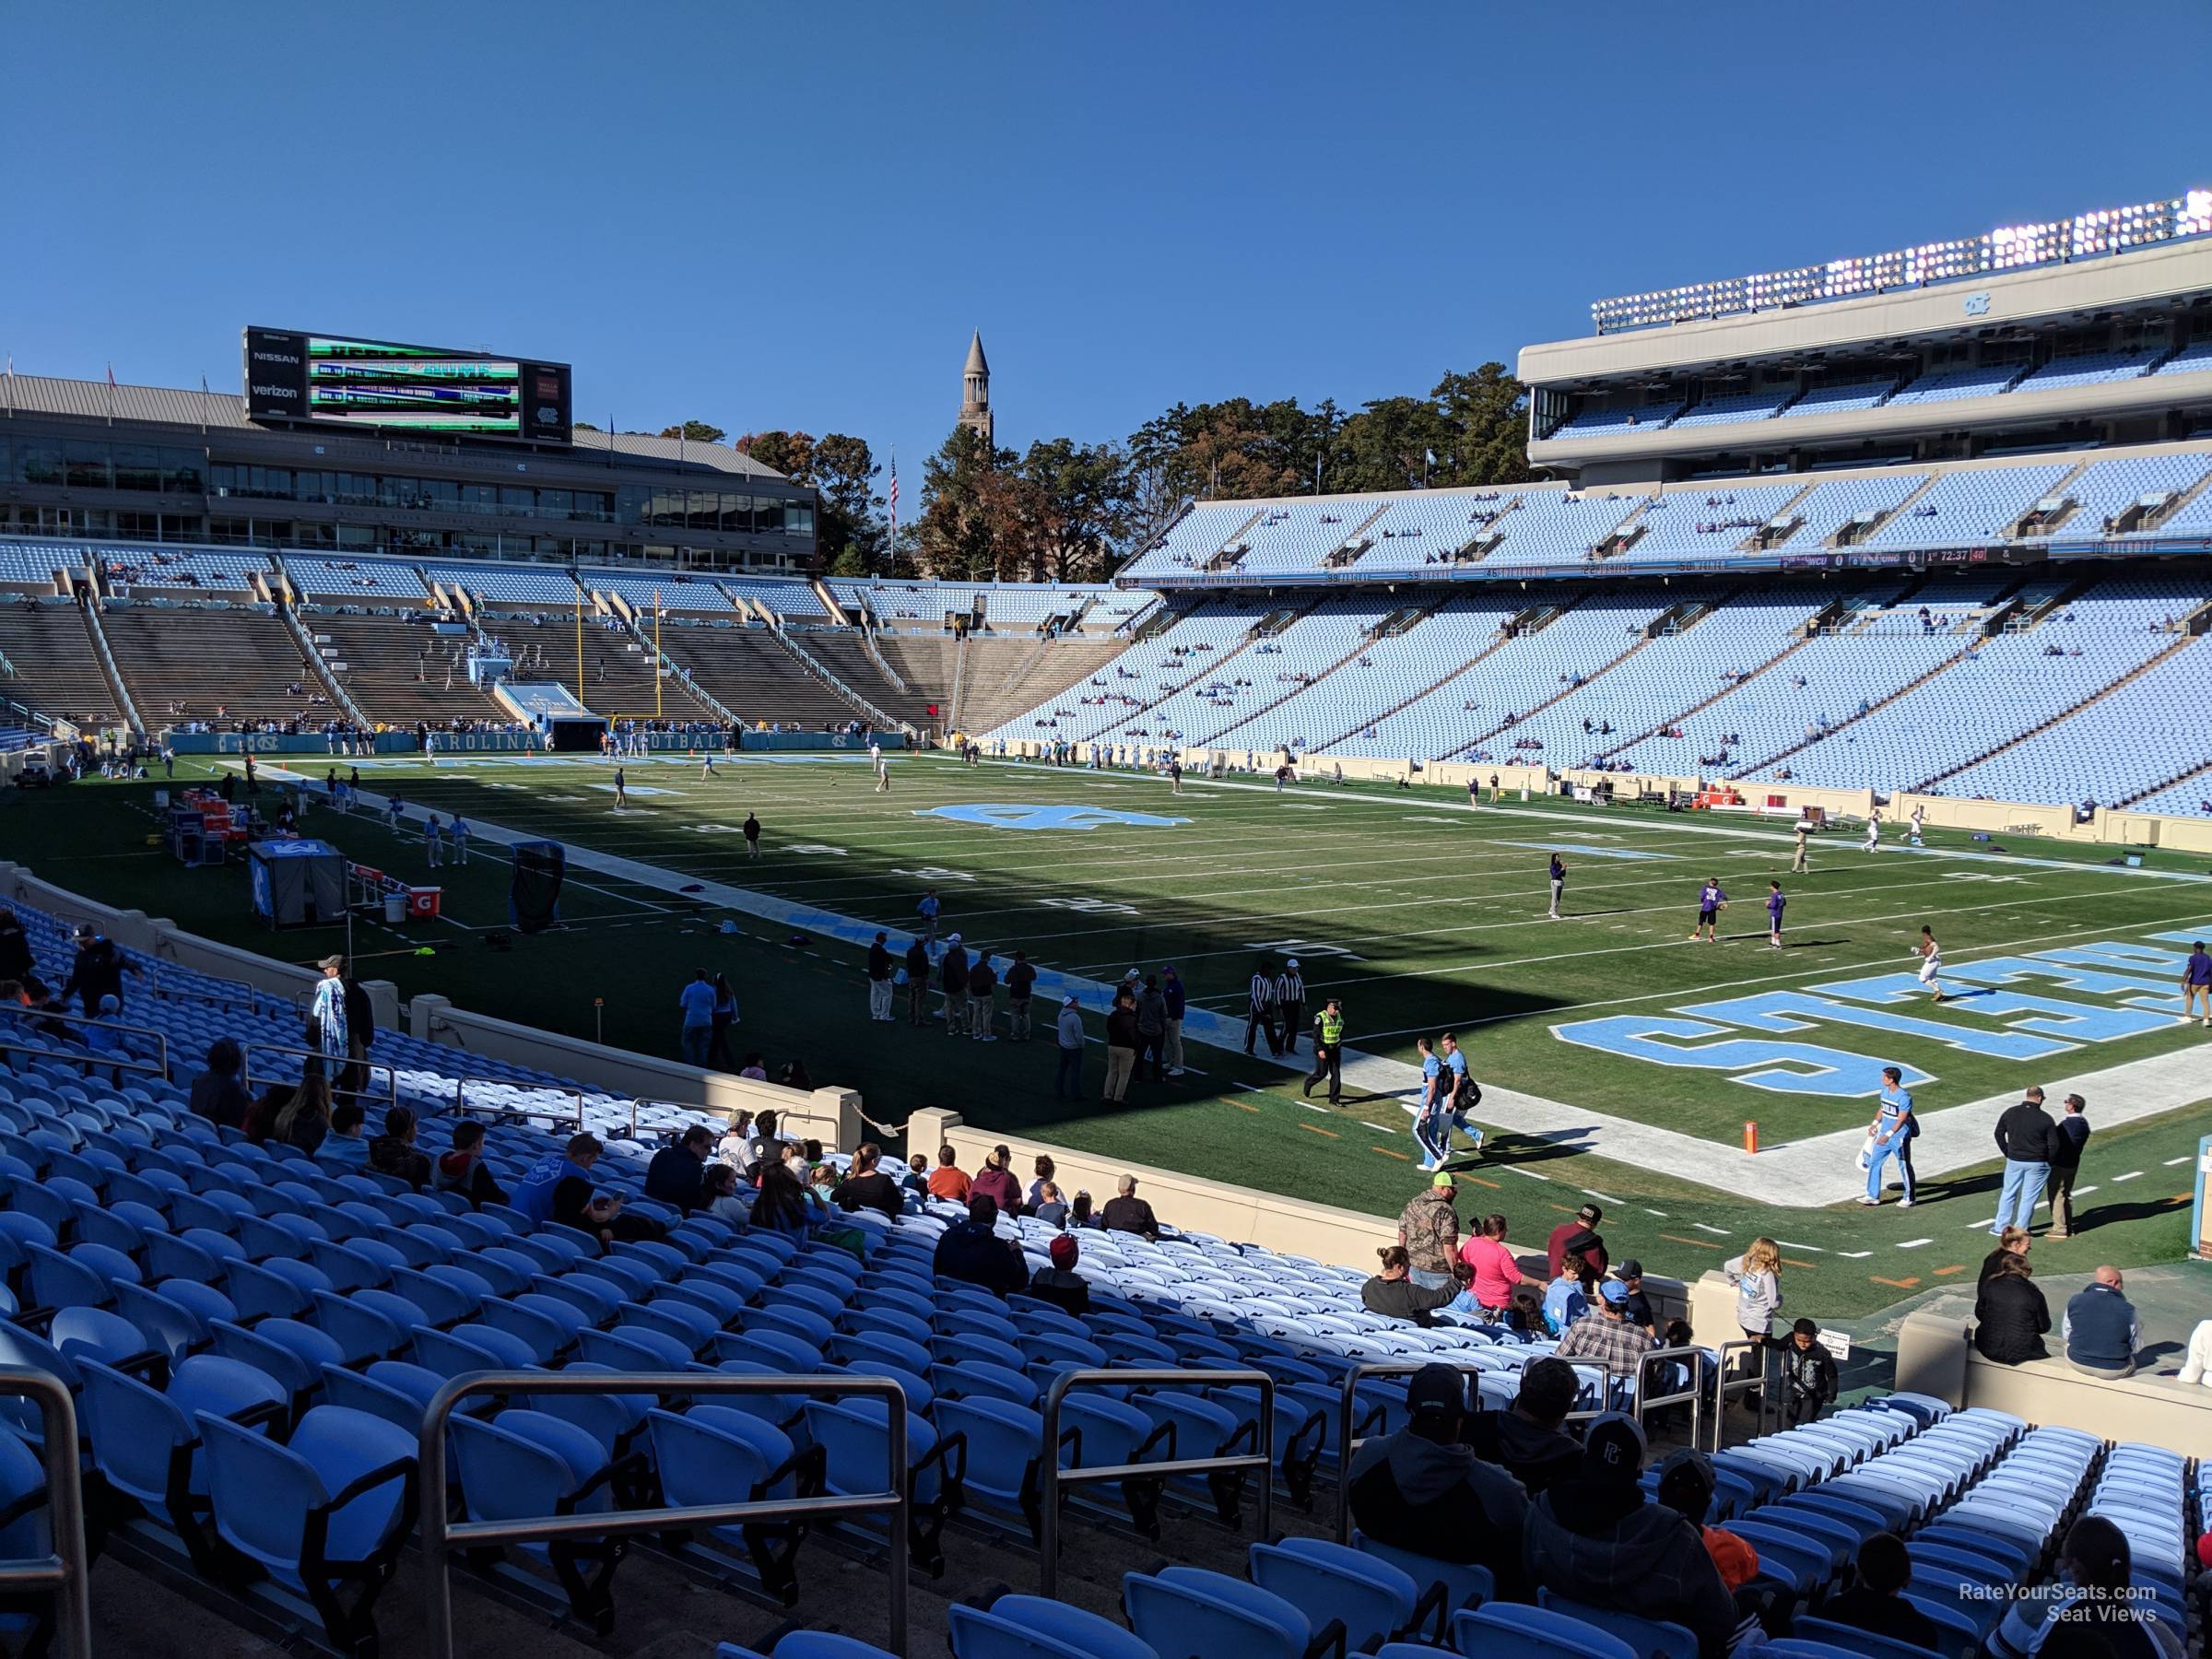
pixel 1638 1310
pixel 1429 1229
pixel 1595 1537
pixel 1686 1486
pixel 1059 1283
pixel 1421 1489
pixel 1605 1334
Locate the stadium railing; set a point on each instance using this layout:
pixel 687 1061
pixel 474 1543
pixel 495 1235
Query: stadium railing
pixel 389 1094
pixel 159 1067
pixel 1054 1480
pixel 509 1114
pixel 442 1535
pixel 1692 1359
pixel 68 1570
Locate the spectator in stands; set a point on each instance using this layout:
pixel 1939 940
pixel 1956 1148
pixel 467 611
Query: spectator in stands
pixel 865 1186
pixel 972 1252
pixel 1429 1229
pixel 1422 1488
pixel 1492 1272
pixel 560 1189
pixel 781 1205
pixel 1808 1374
pixel 305 1120
pixel 1068 1081
pixel 2101 1332
pixel 1394 1296
pixel 97 970
pixel 1528 1438
pixel 2013 1241
pixel 946 1181
pixel 216 1093
pixel 1125 1212
pixel 1756 1276
pixel 677 1174
pixel 1579 1237
pixel 1686 1486
pixel 720 1188
pixel 1059 1283
pixel 995 1181
pixel 1876 1603
pixel 1041 1174
pixel 1638 1310
pixel 765 1148
pixel 1567 1297
pixel 393 1153
pixel 344 1148
pixel 2069 1138
pixel 464 1169
pixel 1594 1537
pixel 2098 1610
pixel 1603 1334
pixel 1050 1206
pixel 2011 1317
pixel 16 960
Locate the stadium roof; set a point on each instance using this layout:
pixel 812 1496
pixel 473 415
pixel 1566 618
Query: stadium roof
pixel 43 395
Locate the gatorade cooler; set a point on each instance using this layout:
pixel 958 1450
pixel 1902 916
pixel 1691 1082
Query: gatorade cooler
pixel 422 903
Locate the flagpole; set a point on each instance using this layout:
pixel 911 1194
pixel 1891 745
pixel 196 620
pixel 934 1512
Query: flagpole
pixel 658 662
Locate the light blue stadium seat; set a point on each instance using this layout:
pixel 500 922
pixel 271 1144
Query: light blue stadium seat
pixel 1652 1637
pixel 1029 1627
pixel 1847 1639
pixel 1503 1630
pixel 1371 1598
pixel 1187 1610
pixel 523 1464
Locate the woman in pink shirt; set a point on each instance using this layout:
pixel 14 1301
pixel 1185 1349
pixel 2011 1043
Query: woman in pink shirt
pixel 1496 1273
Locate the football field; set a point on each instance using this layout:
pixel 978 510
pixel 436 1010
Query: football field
pixel 1621 1058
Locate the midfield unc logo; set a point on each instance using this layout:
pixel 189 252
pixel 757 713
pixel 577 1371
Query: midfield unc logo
pixel 1023 814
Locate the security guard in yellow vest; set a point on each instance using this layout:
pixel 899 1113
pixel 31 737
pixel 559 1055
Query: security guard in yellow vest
pixel 1328 1051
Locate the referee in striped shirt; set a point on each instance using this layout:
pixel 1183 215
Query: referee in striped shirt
pixel 1262 1008
pixel 1291 1004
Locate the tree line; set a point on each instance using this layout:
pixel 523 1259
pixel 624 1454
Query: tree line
pixel 1063 510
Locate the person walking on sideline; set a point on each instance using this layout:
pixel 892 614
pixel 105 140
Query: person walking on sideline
pixel 1712 901
pixel 2069 1137
pixel 1431 1117
pixel 927 910
pixel 431 836
pixel 916 966
pixel 1931 961
pixel 1874 830
pixel 752 836
pixel 1262 1010
pixel 879 978
pixel 1474 793
pixel 1120 1046
pixel 1918 814
pixel 2024 1136
pixel 1891 1136
pixel 1068 1081
pixel 697 1001
pixel 1175 777
pixel 1798 865
pixel 1021 986
pixel 1558 884
pixel 1328 1053
pixel 1171 990
pixel 622 789
pixel 457 832
pixel 1289 1002
pixel 1461 1094
pixel 1776 904
pixel 2196 984
pixel 706 765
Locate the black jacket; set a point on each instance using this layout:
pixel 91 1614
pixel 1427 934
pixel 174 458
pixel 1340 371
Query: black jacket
pixel 16 961
pixel 2024 1134
pixel 874 1191
pixel 1402 1298
pixel 676 1177
pixel 1438 1501
pixel 1540 1458
pixel 1878 1614
pixel 220 1098
pixel 360 1013
pixel 2069 1138
pixel 973 1254
pixel 879 962
pixel 952 972
pixel 97 972
pixel 2010 1320
pixel 1070 1293
pixel 1808 1374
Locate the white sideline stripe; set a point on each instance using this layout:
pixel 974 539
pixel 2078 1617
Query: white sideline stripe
pixel 2131 1175
pixel 1707 1227
pixel 1799 1174
pixel 2171 1162
pixel 1593 1193
pixel 1911 1244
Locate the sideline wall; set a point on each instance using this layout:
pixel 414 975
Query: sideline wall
pixel 1190 1204
pixel 831 1115
pixel 1936 1356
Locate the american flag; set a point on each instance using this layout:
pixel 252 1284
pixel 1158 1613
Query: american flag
pixel 894 497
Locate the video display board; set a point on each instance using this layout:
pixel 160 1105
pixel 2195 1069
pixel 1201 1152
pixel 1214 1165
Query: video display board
pixel 386 385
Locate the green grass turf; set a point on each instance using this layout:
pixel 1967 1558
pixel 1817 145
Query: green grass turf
pixel 1440 915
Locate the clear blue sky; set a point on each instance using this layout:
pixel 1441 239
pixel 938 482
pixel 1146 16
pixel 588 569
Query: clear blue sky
pixel 793 214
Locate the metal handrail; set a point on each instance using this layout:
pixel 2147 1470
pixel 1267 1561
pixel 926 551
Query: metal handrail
pixel 253 999
pixel 68 1572
pixel 1641 1402
pixel 160 1067
pixel 333 1062
pixel 1055 1477
pixel 1722 1387
pixel 441 1535
pixel 727 1113
pixel 1346 1445
pixel 460 1104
